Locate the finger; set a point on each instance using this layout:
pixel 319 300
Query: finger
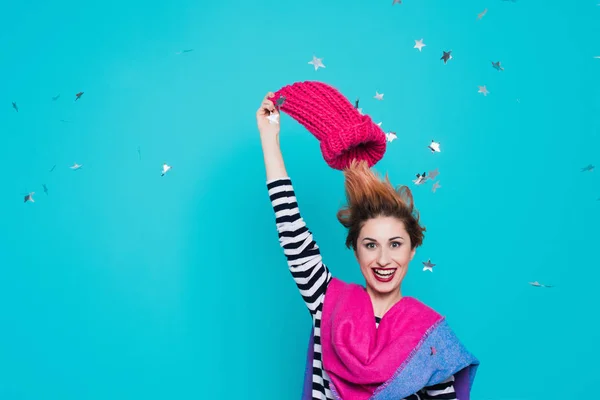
pixel 270 94
pixel 265 110
pixel 268 104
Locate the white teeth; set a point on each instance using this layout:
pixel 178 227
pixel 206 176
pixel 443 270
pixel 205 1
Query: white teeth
pixel 385 272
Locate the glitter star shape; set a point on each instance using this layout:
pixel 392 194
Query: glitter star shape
pixel 273 118
pixel 317 62
pixel 433 174
pixel 446 56
pixel 434 147
pixel 419 44
pixel 483 90
pixel 378 96
pixel 497 66
pixel 427 265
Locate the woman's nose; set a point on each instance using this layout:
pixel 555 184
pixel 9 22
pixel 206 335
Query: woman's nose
pixel 384 258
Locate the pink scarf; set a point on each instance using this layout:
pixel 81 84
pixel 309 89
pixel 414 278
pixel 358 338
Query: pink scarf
pixel 358 356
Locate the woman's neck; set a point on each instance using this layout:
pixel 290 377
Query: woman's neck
pixel 383 302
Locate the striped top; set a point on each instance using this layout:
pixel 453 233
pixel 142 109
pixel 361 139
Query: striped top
pixel 312 278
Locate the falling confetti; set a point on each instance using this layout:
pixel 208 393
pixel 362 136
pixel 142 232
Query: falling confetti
pixel 75 167
pixel 45 188
pixel 435 186
pixel 280 101
pixel 14 105
pixel 396 2
pixel 419 44
pixel 55 97
pixel 139 152
pixel 433 174
pixel 317 62
pixel 273 118
pixel 184 51
pixel 165 169
pixel 588 168
pixel 356 103
pixel 78 95
pixel 29 197
pixel 433 351
pixel 497 66
pixel 427 265
pixel 52 169
pixel 537 284
pixel 391 136
pixel 483 90
pixel 434 147
pixel 378 96
pixel 421 179
pixel 446 56
pixel 482 14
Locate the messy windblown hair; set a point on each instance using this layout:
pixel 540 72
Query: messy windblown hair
pixel 369 197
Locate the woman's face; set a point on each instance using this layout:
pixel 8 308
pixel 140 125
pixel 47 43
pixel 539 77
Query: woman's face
pixel 384 251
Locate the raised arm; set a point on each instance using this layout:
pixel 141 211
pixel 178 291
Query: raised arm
pixel 302 253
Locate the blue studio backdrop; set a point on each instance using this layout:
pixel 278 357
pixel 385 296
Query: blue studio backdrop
pixel 120 283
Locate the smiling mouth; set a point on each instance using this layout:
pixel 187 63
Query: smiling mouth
pixel 384 274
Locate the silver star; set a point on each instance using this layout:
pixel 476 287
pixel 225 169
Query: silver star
pixel 273 118
pixel 428 265
pixel 419 44
pixel 433 174
pixel 317 62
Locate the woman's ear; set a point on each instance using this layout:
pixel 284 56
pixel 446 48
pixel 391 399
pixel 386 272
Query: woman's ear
pixel 412 253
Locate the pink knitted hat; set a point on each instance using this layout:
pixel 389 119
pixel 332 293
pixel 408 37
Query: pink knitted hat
pixel 343 132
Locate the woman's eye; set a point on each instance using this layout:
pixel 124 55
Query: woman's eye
pixel 370 245
pixel 396 244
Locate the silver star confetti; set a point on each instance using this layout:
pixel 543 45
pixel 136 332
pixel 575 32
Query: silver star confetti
pixel 317 62
pixel 434 147
pixel 588 168
pixel 29 197
pixel 273 118
pixel 427 265
pixel 419 44
pixel 497 66
pixel 433 174
pixel 421 179
pixel 165 169
pixel 446 56
pixel 537 284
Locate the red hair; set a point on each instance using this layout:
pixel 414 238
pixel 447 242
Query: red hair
pixel 368 197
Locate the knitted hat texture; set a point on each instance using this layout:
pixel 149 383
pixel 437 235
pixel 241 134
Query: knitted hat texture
pixel 344 134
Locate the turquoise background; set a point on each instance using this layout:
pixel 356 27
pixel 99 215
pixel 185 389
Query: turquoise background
pixel 122 284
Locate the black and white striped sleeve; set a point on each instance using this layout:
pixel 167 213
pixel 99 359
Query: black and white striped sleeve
pixel 302 253
pixel 444 390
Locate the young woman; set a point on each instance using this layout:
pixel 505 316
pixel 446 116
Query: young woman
pixel 368 342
